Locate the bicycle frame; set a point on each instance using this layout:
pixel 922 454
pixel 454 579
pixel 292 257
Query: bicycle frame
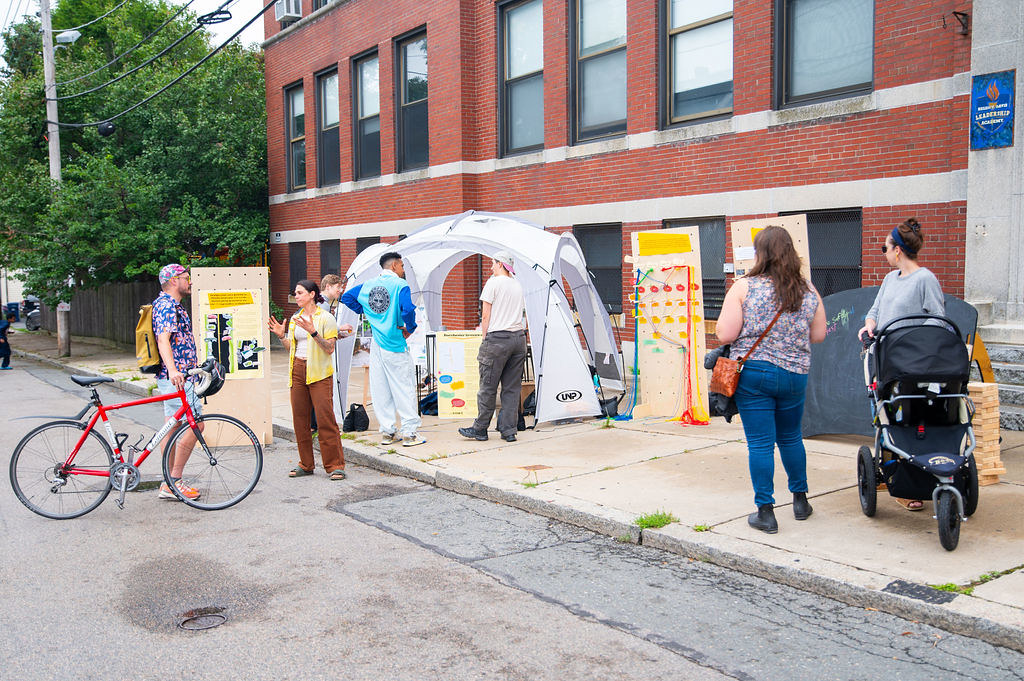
pixel 101 413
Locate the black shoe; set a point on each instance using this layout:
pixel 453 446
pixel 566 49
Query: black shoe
pixel 473 434
pixel 801 509
pixel 764 519
pixel 511 437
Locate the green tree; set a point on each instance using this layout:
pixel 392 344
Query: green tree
pixel 183 177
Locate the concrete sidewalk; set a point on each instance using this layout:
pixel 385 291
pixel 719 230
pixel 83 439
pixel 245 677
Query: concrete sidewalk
pixel 605 478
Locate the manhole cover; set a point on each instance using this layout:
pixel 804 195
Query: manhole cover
pixel 202 618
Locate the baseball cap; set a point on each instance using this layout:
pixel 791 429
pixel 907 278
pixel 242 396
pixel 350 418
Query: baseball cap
pixel 505 258
pixel 171 271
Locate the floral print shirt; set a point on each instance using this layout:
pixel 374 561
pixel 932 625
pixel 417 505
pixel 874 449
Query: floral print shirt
pixel 170 316
pixel 788 344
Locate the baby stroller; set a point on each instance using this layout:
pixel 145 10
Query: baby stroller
pixel 917 384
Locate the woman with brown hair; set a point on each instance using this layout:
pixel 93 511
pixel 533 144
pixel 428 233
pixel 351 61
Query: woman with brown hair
pixel 775 300
pixel 908 289
pixel 310 337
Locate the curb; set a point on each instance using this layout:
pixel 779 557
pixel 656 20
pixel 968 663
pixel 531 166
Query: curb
pixel 125 386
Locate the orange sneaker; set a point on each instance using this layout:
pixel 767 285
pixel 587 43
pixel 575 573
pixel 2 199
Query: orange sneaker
pixel 183 489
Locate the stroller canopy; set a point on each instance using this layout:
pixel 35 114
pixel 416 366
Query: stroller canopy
pixel 922 353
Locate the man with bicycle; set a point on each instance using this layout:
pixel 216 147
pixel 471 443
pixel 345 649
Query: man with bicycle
pixel 172 327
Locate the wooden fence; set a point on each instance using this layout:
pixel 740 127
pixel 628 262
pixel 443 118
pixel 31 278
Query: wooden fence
pixel 110 312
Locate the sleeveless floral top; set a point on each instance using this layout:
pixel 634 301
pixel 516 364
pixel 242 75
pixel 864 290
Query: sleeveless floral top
pixel 788 344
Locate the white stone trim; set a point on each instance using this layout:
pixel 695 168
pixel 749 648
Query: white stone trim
pixel 884 191
pixel 914 94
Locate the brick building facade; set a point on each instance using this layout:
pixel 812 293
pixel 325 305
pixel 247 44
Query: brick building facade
pixel 610 116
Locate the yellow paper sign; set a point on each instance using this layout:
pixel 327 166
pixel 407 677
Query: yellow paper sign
pixel 653 243
pixel 229 299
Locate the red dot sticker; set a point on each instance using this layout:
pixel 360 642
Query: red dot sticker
pixel 654 289
pixel 458 403
pixel 641 289
pixel 680 287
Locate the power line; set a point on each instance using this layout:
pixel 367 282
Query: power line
pixel 89 23
pixel 176 80
pixel 130 49
pixel 14 3
pixel 143 64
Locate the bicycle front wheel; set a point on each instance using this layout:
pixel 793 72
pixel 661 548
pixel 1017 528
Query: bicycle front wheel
pixel 46 486
pixel 223 466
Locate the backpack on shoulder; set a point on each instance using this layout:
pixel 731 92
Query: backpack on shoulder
pixel 147 356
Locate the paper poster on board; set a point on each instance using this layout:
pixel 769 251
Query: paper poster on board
pixel 457 373
pixel 229 322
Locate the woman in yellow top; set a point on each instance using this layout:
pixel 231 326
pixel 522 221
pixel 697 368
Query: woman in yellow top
pixel 310 340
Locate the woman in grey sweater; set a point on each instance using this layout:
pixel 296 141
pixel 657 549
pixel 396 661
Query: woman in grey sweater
pixel 908 289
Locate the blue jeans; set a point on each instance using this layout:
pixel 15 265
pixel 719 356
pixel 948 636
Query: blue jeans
pixel 771 404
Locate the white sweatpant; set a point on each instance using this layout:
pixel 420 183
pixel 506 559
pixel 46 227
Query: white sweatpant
pixel 393 389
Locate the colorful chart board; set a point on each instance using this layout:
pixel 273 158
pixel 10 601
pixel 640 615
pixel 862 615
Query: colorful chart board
pixel 668 308
pixel 229 320
pixel 457 373
pixel 744 231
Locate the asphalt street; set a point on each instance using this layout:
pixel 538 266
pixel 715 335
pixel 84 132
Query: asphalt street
pixel 381 577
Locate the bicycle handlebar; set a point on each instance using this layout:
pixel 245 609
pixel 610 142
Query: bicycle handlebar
pixel 204 382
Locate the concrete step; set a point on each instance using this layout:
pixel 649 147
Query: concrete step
pixel 1004 352
pixel 1011 418
pixel 1011 395
pixel 1008 374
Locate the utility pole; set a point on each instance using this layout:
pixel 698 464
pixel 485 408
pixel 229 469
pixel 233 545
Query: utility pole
pixel 53 136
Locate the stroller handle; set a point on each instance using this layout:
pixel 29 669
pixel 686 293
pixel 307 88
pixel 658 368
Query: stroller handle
pixel 947 320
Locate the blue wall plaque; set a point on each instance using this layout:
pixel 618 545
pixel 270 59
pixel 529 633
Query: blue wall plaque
pixel 992 110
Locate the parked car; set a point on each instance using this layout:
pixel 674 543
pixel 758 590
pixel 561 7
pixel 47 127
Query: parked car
pixel 31 310
pixel 30 303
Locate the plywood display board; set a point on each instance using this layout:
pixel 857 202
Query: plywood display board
pixel 458 375
pixel 668 307
pixel 230 311
pixel 744 231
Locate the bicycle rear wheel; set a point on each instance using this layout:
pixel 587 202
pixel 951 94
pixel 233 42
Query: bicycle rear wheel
pixel 223 467
pixel 44 486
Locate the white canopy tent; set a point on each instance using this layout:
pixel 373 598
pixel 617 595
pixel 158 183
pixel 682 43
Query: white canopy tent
pixel 543 259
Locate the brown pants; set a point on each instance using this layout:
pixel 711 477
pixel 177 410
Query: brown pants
pixel 317 397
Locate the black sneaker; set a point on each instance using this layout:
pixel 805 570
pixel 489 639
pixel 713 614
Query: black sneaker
pixel 473 434
pixel 801 509
pixel 511 437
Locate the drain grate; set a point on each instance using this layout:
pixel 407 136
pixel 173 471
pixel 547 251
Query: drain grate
pixel 202 618
pixel 919 592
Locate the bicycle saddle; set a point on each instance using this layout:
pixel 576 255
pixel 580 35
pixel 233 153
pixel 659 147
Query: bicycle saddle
pixel 86 381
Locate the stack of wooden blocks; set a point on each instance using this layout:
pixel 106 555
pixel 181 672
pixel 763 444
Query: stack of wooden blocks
pixel 986 430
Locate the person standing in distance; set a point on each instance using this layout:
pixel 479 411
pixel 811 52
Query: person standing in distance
pixel 387 303
pixel 502 352
pixel 177 346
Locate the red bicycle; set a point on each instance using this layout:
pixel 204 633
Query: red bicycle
pixel 64 468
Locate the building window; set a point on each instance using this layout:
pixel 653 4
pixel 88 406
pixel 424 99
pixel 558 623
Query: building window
pixel 296 262
pixel 834 246
pixel 826 49
pixel 699 58
pixel 295 107
pixel 412 103
pixel 712 259
pixel 317 4
pixel 602 249
pixel 366 105
pixel 330 257
pixel 599 68
pixel 522 111
pixel 328 150
pixel 364 242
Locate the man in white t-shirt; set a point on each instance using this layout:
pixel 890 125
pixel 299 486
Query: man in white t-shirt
pixel 502 352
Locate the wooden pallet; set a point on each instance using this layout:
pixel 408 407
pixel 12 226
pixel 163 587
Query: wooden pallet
pixel 987 453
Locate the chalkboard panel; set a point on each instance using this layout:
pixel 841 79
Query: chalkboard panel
pixel 836 398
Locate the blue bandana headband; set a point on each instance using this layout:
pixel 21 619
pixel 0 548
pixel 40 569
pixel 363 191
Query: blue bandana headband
pixel 898 240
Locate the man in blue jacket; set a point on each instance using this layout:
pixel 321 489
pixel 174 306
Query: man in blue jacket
pixel 387 303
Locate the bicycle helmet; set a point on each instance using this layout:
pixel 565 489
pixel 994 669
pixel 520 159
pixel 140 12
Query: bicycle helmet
pixel 212 379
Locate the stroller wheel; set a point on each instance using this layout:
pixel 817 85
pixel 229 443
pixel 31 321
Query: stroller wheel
pixel 949 520
pixel 867 482
pixel 971 492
